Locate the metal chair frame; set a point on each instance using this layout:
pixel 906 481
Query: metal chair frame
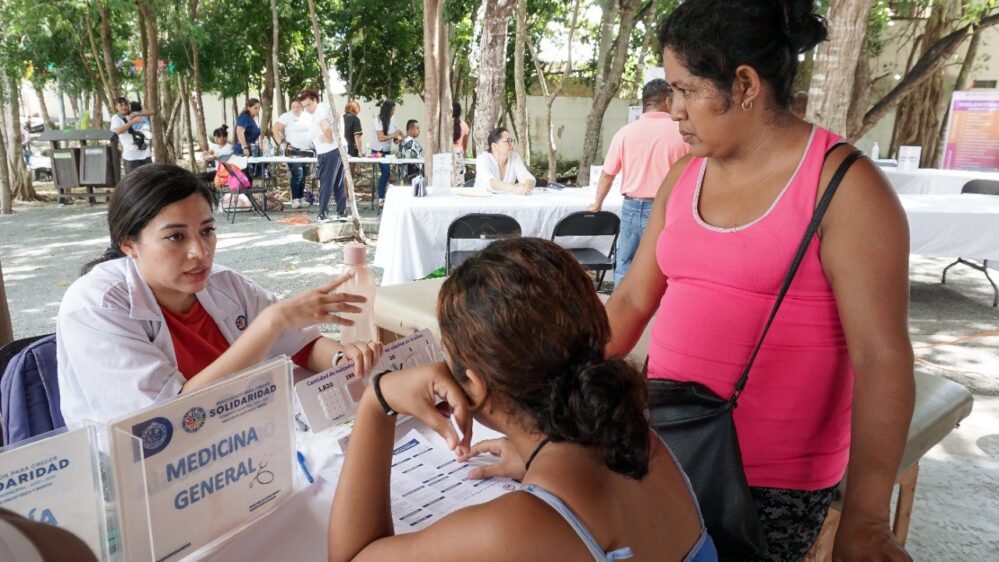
pixel 478 226
pixel 585 223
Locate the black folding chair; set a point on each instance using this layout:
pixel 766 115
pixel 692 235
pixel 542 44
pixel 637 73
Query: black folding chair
pixel 477 226
pixel 585 223
pixel 258 188
pixel 982 187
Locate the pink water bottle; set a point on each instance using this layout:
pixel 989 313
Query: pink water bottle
pixel 362 283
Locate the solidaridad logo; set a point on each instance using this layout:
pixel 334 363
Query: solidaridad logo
pixel 194 419
pixel 155 435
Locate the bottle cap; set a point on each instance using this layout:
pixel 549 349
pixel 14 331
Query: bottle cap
pixel 355 254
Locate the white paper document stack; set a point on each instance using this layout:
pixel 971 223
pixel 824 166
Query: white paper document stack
pixel 428 483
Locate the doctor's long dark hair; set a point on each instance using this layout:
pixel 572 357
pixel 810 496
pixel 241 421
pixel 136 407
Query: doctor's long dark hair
pixel 140 196
pixel 524 315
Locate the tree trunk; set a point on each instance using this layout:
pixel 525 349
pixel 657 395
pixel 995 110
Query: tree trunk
pixel 550 96
pixel 151 68
pixel 608 88
pixel 491 88
pixel 20 177
pixel 106 46
pixel 168 112
pixel 519 83
pixel 649 23
pixel 40 94
pixel 831 89
pixel 6 330
pixel 919 116
pixel 6 193
pixel 436 85
pixel 188 129
pixel 935 58
pixel 267 94
pixel 862 85
pixel 608 15
pixel 74 104
pixel 96 111
pixel 355 217
pixel 101 68
pixel 199 104
pixel 960 85
pixel 276 50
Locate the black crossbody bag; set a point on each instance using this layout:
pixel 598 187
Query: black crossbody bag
pixel 697 425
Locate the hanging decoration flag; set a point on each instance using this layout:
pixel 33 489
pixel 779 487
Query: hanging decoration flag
pixel 138 65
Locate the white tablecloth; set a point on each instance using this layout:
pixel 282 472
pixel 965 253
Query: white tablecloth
pixel 930 181
pixel 954 225
pixel 413 234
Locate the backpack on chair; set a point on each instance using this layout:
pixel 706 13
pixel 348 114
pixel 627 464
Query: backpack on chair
pixel 232 177
pixel 29 392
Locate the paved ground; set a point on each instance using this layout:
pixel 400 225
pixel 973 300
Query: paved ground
pixel 954 329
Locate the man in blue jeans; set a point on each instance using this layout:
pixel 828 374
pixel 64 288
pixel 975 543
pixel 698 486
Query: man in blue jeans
pixel 642 152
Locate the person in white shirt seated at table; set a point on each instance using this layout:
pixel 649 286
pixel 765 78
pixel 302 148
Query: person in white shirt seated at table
pixel 500 168
pixel 576 433
pixel 154 317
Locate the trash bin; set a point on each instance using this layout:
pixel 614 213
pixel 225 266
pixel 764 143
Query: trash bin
pixel 97 166
pixel 65 166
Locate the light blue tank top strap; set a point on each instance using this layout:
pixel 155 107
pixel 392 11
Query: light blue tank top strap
pixel 577 525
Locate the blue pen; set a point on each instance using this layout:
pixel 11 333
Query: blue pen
pixel 305 469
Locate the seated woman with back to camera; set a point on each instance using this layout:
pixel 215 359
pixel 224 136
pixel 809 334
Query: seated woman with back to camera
pixel 597 483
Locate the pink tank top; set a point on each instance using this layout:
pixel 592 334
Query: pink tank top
pixel 793 418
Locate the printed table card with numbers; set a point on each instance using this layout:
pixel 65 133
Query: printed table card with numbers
pixel 331 397
pixel 211 460
pixel 56 480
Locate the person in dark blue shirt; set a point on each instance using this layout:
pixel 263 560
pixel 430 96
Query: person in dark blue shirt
pixel 247 134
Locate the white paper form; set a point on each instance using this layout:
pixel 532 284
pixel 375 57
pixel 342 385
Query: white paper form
pixel 428 483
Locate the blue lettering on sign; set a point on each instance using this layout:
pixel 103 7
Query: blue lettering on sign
pixel 31 474
pixel 210 485
pixel 46 516
pixel 203 457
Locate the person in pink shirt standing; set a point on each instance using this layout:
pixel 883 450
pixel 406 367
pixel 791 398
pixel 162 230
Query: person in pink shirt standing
pixel 642 152
pixel 833 380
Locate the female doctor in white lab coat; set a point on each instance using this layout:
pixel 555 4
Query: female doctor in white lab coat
pixel 153 317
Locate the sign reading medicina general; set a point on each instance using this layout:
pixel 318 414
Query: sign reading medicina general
pixel 56 480
pixel 208 462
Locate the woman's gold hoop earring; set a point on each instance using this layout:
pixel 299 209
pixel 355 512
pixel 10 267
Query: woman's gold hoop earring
pixel 746 107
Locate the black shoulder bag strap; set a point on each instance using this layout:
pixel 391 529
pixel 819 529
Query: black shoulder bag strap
pixel 813 226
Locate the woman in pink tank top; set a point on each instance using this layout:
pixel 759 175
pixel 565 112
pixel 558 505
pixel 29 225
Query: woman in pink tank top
pixel 833 380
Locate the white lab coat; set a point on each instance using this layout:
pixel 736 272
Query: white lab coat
pixel 115 353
